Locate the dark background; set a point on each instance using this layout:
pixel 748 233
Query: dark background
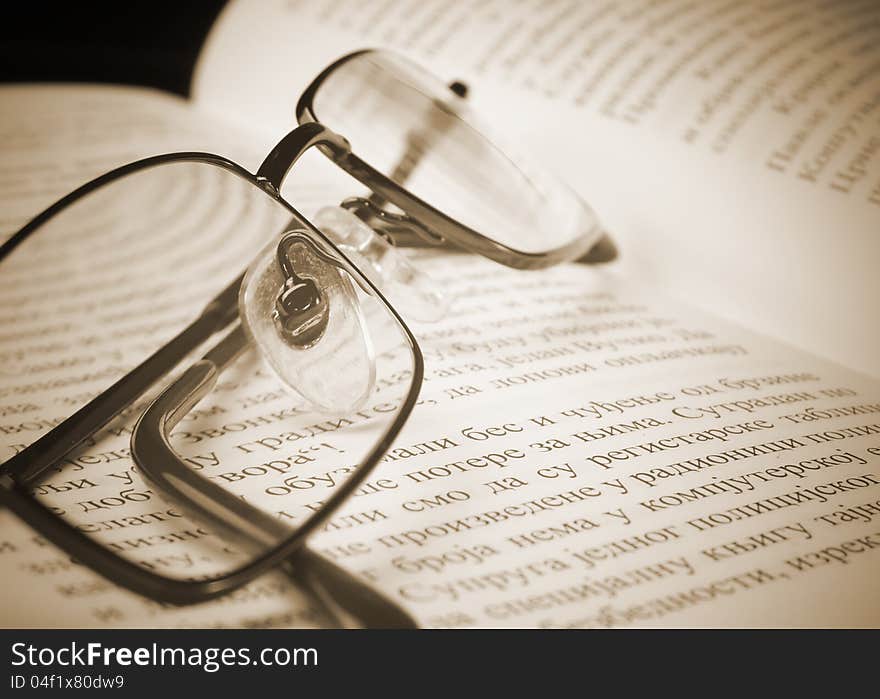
pixel 139 43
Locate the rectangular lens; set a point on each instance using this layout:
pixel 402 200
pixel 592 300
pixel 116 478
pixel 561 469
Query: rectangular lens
pixel 106 282
pixel 413 129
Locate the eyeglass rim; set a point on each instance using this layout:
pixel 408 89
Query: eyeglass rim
pixel 449 228
pixel 150 438
pixel 113 566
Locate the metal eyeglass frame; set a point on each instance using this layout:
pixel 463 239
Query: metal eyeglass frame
pixel 333 586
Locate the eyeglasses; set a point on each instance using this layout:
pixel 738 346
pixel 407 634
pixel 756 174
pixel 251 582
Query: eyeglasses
pixel 111 288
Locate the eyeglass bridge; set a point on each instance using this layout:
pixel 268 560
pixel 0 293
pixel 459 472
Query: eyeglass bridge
pixel 398 229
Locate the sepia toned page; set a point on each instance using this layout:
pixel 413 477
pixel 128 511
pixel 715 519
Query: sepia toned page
pixel 57 137
pixel 587 453
pixel 584 452
pixel 731 148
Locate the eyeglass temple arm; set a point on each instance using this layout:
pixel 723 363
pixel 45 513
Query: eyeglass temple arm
pixel 351 601
pixel 29 465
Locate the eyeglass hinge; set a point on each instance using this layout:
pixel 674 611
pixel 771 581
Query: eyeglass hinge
pixel 267 186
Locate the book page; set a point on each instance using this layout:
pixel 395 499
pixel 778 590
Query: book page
pixel 731 148
pixel 585 451
pixel 583 454
pixel 57 137
pixel 590 454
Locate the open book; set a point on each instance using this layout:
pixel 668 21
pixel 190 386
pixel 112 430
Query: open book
pixel 688 436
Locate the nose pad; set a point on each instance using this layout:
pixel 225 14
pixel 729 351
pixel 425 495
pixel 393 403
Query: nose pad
pixel 412 292
pixel 303 313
